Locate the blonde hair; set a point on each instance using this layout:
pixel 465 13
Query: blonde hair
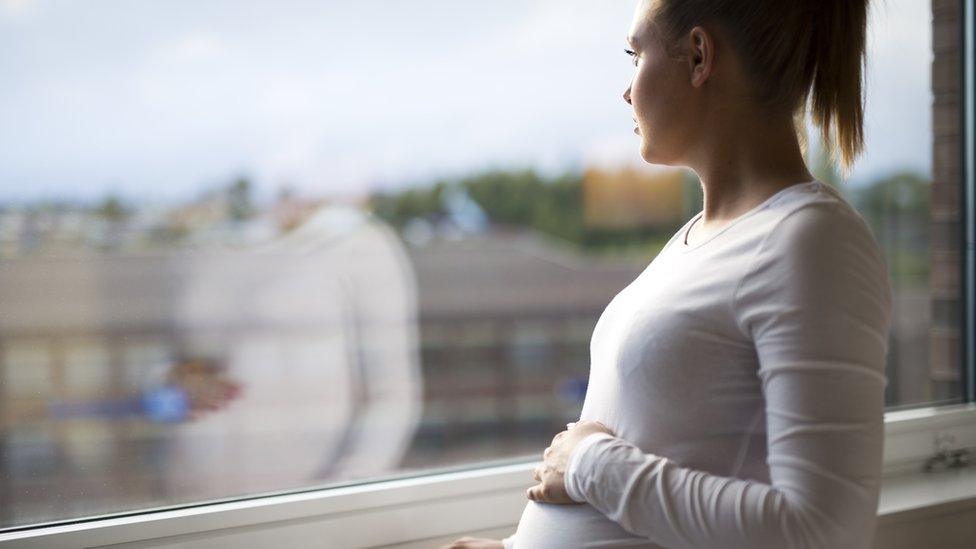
pixel 796 52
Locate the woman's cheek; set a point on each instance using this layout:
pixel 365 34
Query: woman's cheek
pixel 640 99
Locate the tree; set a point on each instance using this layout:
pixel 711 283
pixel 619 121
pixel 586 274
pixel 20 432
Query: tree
pixel 111 209
pixel 897 208
pixel 239 202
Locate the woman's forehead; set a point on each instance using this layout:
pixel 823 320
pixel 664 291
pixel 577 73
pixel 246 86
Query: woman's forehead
pixel 640 26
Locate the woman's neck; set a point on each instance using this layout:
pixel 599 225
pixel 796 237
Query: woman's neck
pixel 743 166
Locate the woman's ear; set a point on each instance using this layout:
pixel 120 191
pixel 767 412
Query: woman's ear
pixel 701 55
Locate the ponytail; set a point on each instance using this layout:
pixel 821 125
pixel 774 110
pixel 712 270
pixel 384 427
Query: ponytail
pixel 839 50
pixel 794 52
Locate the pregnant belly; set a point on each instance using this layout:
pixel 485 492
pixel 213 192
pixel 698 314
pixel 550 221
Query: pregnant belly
pixel 551 526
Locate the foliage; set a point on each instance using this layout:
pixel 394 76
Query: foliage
pixel 418 202
pixel 515 199
pixel 897 208
pixel 904 194
pixel 239 201
pixel 112 209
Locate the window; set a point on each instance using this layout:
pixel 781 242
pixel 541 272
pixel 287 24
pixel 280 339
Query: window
pixel 285 245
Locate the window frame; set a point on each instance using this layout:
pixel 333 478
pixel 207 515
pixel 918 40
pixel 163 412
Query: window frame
pixel 967 115
pixel 486 496
pixel 421 507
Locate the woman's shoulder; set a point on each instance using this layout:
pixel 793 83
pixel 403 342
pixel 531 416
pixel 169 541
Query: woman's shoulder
pixel 817 254
pixel 816 214
pixel 816 238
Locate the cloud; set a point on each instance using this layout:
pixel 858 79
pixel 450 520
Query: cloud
pixel 13 10
pixel 314 96
pixel 554 23
pixel 197 45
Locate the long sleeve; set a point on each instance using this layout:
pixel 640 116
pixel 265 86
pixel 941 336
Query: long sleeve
pixel 384 341
pixel 816 302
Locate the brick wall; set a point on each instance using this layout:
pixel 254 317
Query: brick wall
pixel 945 358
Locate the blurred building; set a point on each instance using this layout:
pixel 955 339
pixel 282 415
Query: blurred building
pixel 946 256
pixel 505 322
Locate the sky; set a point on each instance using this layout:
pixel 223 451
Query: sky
pixel 158 100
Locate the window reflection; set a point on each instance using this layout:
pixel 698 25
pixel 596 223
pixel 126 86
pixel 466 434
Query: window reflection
pixel 212 370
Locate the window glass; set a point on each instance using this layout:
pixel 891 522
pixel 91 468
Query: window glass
pixel 256 246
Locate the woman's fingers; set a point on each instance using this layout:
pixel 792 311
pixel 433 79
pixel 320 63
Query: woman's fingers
pixel 537 474
pixel 540 493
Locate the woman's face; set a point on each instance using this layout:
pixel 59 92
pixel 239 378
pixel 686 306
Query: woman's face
pixel 661 94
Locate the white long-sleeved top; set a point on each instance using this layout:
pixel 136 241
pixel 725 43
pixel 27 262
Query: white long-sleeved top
pixel 743 377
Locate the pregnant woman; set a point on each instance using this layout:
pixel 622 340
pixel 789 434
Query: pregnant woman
pixel 736 390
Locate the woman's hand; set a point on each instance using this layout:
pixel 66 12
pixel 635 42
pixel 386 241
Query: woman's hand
pixel 474 543
pixel 555 459
pixel 206 386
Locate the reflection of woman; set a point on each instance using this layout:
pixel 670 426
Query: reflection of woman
pixel 319 329
pixel 737 385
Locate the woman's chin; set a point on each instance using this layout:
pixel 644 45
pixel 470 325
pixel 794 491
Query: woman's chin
pixel 646 153
pixel 652 157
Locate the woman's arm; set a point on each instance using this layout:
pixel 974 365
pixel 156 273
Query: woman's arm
pixel 817 303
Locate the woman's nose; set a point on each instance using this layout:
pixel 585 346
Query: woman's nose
pixel 627 95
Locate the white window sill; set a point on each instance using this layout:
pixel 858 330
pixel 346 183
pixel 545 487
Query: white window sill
pixel 909 497
pixel 435 506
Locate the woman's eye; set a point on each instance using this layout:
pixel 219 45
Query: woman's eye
pixel 633 55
